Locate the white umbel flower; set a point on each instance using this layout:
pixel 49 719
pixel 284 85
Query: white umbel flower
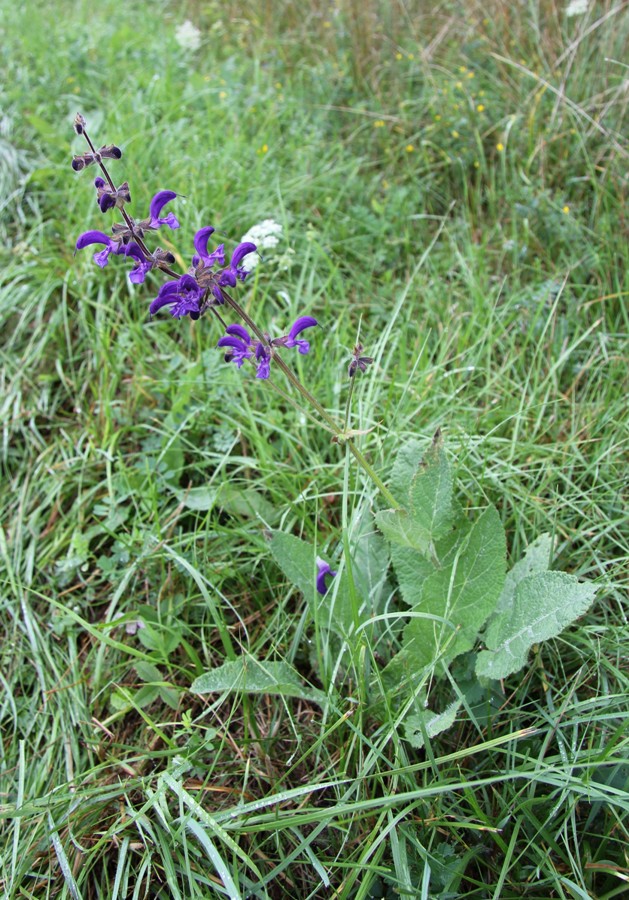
pixel 577 8
pixel 188 36
pixel 265 235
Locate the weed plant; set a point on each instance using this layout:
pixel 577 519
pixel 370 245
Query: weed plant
pixel 451 186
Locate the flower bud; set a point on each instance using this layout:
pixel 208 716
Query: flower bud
pixel 79 123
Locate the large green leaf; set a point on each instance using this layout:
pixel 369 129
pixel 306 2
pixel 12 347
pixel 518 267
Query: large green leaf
pixel 459 597
pixel 298 561
pixel 543 605
pixel 430 510
pixel 252 676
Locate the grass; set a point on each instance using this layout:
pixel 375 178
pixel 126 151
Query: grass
pixel 483 255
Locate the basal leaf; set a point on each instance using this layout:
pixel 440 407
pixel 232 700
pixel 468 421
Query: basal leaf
pixel 463 593
pixel 544 604
pixel 429 512
pixel 418 726
pixel 252 676
pixel 536 559
pixel 431 497
pixel 297 559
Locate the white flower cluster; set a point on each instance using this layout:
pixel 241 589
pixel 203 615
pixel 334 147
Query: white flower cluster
pixel 577 8
pixel 188 36
pixel 265 235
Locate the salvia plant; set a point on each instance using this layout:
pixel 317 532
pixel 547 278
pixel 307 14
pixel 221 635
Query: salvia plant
pixel 427 586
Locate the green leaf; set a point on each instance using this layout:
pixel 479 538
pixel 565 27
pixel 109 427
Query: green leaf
pixel 535 560
pixel 297 559
pixel 404 469
pixel 418 726
pixel 544 604
pixel 463 593
pixel 148 672
pixel 430 511
pixel 242 503
pixel 251 676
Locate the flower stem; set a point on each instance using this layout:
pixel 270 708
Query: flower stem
pixel 305 393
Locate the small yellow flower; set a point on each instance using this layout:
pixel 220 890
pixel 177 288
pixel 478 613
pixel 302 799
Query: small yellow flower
pixel 459 85
pixel 456 106
pixel 278 85
pixel 327 24
pixel 410 56
pixel 263 149
pixel 480 108
pixel 379 123
pixel 470 74
pixel 476 164
pixel 481 93
pixel 222 95
pixel 409 148
pixel 454 134
pixel 437 118
pixel 398 55
pixel 565 210
pixel 500 147
pixel 462 68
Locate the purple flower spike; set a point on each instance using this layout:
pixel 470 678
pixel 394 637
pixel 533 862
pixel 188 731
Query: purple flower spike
pixel 323 569
pixel 158 202
pixel 98 237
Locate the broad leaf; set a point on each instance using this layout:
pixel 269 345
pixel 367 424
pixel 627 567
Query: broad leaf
pixel 544 604
pixel 430 511
pixel 297 559
pixel 536 559
pixel 251 676
pixel 418 726
pixel 463 593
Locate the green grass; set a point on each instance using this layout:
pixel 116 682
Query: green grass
pixel 490 284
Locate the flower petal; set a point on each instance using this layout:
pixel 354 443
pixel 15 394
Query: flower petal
pixel 240 331
pixel 200 240
pixel 301 323
pixel 323 570
pixel 92 237
pixel 159 201
pixel 240 252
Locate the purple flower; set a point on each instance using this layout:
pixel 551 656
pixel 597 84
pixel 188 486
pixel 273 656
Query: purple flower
pixel 358 362
pixel 290 339
pixel 238 344
pixel 99 237
pixel 142 264
pixel 323 569
pixel 158 202
pixel 108 198
pixel 184 296
pixel 203 262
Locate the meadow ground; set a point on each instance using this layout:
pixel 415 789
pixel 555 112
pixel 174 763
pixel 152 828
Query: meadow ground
pixel 451 181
